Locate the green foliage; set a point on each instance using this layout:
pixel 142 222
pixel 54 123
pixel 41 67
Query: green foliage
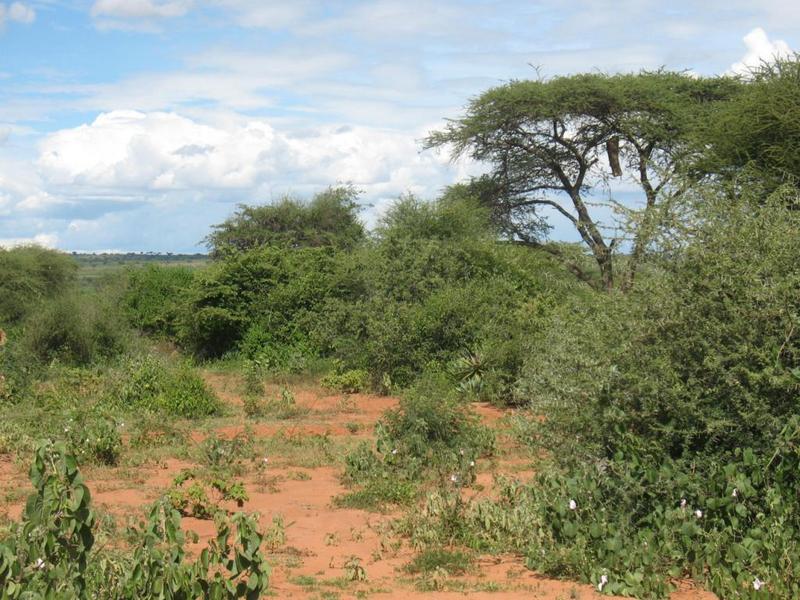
pixel 76 328
pixel 760 128
pixel 47 553
pixel 642 525
pixel 93 437
pixel 28 275
pixel 232 565
pixel 51 552
pixel 350 381
pixel 330 219
pixel 154 296
pixel 201 497
pixel 147 382
pixel 432 435
pixel 255 300
pixel 415 300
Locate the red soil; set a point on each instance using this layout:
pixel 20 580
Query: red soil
pixel 320 539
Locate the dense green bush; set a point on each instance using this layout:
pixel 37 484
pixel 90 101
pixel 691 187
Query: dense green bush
pixel 154 295
pixel 147 382
pixel 350 381
pixel 28 275
pixel 329 219
pixel 432 285
pixel 259 298
pixel 76 328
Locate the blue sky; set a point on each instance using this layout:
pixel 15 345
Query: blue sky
pixel 136 124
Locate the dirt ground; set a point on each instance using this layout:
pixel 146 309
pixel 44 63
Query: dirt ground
pixel 319 539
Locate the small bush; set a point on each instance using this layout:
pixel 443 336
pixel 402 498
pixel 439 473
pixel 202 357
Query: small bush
pixel 284 406
pixel 94 437
pixel 153 384
pixel 351 381
pixel 51 552
pixel 432 436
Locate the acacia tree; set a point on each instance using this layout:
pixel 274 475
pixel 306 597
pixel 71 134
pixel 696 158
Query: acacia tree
pixel 759 131
pixel 551 142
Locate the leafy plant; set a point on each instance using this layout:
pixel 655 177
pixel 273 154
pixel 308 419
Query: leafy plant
pixel 51 553
pixel 350 381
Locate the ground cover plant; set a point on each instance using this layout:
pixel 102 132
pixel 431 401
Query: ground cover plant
pixel 51 553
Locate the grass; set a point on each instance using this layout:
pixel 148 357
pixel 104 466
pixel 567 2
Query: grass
pixel 454 562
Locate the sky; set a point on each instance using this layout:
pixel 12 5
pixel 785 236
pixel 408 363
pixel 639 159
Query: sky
pixel 135 125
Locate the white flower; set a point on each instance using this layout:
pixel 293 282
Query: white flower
pixel 602 584
pixel 698 513
pixel 573 505
pixel 453 477
pixel 735 493
pixel 757 584
pixel 265 460
pixel 472 463
pixel 40 564
pixel 394 451
pixel 683 502
pixel 66 429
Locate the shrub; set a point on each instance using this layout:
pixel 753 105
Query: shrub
pixel 432 435
pixel 29 275
pixel 257 301
pixel 350 381
pixel 75 328
pixel 51 552
pixel 153 384
pixel 92 436
pixel 330 219
pixel 154 295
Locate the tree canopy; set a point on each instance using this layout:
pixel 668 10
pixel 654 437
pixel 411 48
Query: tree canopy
pixel 330 219
pixel 550 142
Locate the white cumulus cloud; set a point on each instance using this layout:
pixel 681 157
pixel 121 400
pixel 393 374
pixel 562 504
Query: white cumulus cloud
pixel 759 48
pixel 161 151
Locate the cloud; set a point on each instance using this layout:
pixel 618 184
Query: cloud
pixel 268 14
pixel 759 49
pixel 17 11
pixel 140 9
pixel 162 152
pixel 137 15
pixel 48 240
